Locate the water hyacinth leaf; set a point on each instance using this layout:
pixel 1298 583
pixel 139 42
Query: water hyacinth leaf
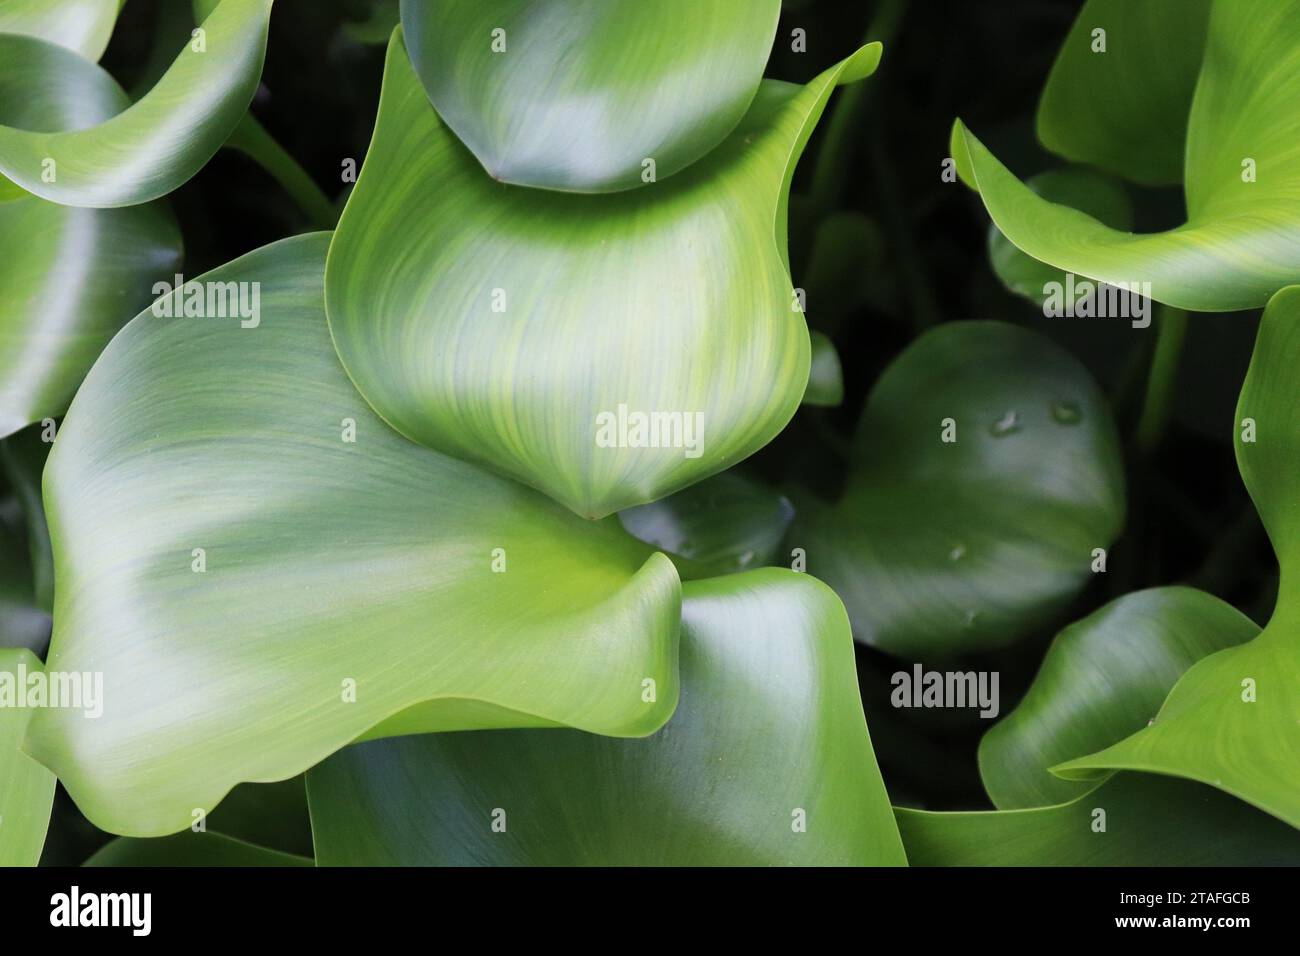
pixel 987 477
pixel 826 375
pixel 191 849
pixel 721 525
pixel 1120 92
pixel 288 574
pixel 1241 242
pixel 69 278
pixel 152 146
pixel 1103 678
pixel 607 350
pixel 83 26
pixel 1100 196
pixel 1149 821
pixel 579 95
pixel 26 788
pixel 767 761
pixel 1233 720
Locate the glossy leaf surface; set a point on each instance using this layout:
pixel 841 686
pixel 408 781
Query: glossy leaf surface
pixel 1120 99
pixel 150 147
pixel 26 788
pixel 577 94
pixel 767 761
pixel 1149 821
pixel 1233 720
pixel 538 333
pixel 1241 242
pixel 275 589
pixel 1103 678
pixel 69 278
pixel 83 26
pixel 722 525
pixel 943 547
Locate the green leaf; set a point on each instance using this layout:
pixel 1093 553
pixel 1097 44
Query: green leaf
pixel 149 148
pixel 22 459
pixel 1100 196
pixel 1103 678
pixel 191 849
pixel 940 548
pixel 673 301
pixel 1150 821
pixel 770 724
pixel 826 376
pixel 1124 107
pixel 1241 242
pixel 327 565
pixel 23 623
pixel 577 94
pixel 26 788
pixel 69 278
pixel 721 525
pixel 269 815
pixel 83 26
pixel 1233 720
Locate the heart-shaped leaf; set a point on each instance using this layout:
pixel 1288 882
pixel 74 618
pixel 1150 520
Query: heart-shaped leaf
pixel 69 278
pixel 1103 678
pixel 263 571
pixel 767 761
pixel 1233 720
pixel 1120 92
pixel 1148 821
pixel 721 525
pixel 1241 242
pixel 607 350
pixel 83 26
pixel 579 94
pixel 149 148
pixel 987 476
pixel 26 788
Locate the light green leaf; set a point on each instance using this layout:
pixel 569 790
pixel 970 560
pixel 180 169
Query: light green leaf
pixel 1233 720
pixel 26 788
pixel 534 332
pixel 940 548
pixel 1103 678
pixel 191 849
pixel 1100 196
pixel 826 377
pixel 721 525
pixel 151 147
pixel 329 570
pixel 578 94
pixel 1120 99
pixel 83 26
pixel 767 761
pixel 1241 242
pixel 1149 821
pixel 69 278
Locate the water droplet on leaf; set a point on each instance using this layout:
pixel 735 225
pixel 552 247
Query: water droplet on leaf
pixel 1008 423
